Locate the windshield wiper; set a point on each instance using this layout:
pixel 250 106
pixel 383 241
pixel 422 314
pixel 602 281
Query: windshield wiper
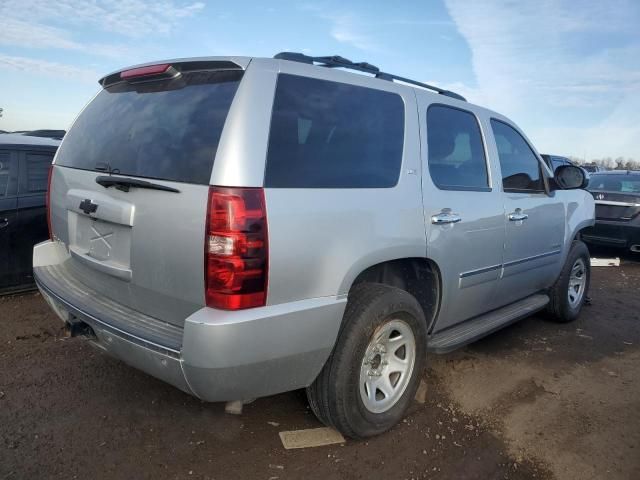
pixel 124 183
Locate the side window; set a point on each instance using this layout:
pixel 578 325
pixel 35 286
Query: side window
pixel 456 151
pixel 8 174
pixel 519 165
pixel 333 135
pixel 36 167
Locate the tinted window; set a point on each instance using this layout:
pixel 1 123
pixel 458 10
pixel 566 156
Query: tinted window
pixel 558 162
pixel 456 152
pixel 7 174
pixel 37 170
pixel 327 134
pixel 519 165
pixel 168 129
pixel 615 183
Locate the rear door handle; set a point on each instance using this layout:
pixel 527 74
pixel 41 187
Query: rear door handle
pixel 445 217
pixel 518 216
pixel 4 222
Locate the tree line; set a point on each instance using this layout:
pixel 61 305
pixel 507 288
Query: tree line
pixel 610 163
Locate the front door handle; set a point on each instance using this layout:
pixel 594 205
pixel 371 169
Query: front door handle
pixel 445 217
pixel 518 216
pixel 4 222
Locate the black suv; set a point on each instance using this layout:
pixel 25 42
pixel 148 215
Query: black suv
pixel 617 197
pixel 24 168
pixel 555 161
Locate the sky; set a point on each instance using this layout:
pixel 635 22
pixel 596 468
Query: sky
pixel 567 72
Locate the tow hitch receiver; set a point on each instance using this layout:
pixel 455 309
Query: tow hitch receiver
pixel 78 329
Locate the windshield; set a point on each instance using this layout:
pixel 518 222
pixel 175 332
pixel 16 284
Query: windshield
pixel 615 183
pixel 164 129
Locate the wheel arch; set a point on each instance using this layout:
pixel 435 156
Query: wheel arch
pixel 577 232
pixel 419 276
pixel 580 215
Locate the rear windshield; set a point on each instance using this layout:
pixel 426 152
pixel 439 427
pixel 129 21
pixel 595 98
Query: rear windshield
pixel 615 183
pixel 167 130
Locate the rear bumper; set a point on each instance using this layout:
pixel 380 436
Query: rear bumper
pixel 217 355
pixel 613 234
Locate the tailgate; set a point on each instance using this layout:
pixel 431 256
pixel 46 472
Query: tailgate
pixel 130 185
pixel 142 248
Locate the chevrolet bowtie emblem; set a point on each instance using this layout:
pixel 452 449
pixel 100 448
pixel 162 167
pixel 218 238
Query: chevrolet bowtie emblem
pixel 87 206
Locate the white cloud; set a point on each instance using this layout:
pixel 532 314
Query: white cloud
pixel 346 29
pixel 42 67
pixel 49 23
pixel 60 25
pixel 26 34
pixel 614 135
pixel 543 59
pixel 359 31
pixel 32 35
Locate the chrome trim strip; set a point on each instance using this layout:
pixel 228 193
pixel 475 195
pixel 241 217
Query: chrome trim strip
pixel 479 271
pixel 125 335
pixel 617 204
pixel 529 259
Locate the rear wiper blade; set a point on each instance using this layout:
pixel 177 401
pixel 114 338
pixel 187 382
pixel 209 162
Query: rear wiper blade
pixel 124 183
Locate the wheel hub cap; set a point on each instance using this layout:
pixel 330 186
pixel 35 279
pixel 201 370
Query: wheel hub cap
pixel 387 366
pixel 577 282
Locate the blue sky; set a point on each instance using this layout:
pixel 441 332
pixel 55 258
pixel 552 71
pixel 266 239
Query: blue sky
pixel 567 72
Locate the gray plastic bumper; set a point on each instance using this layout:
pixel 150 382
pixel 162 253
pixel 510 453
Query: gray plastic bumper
pixel 220 355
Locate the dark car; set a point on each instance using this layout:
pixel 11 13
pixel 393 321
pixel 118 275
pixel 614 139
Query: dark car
pixel 592 168
pixel 617 197
pixel 24 169
pixel 555 161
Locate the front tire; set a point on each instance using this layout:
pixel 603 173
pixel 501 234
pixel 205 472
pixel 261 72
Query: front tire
pixel 372 375
pixel 571 289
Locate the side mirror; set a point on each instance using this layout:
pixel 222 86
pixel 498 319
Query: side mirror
pixel 569 177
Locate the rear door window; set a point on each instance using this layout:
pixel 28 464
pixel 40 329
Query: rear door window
pixel 8 173
pixel 36 172
pixel 519 165
pixel 334 135
pixel 167 129
pixel 456 153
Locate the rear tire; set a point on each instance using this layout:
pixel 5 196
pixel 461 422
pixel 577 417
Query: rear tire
pixel 372 375
pixel 570 291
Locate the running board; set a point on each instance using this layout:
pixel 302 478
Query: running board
pixel 472 330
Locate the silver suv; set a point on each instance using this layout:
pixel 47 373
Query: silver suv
pixel 240 227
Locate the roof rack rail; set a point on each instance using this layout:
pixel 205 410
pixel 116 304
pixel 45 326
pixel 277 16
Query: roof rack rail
pixel 337 61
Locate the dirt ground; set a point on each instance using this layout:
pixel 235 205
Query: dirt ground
pixel 536 400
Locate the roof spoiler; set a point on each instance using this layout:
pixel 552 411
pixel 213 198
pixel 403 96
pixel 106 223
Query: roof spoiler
pixel 164 70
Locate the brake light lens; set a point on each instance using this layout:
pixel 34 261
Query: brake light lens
pixel 236 248
pixel 48 201
pixel 145 71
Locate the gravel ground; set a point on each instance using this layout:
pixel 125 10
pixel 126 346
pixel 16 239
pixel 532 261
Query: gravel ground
pixel 535 400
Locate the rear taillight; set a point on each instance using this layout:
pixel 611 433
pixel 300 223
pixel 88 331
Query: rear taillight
pixel 236 248
pixel 48 201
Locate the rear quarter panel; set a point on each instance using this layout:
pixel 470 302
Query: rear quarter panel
pixel 320 239
pixel 580 211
